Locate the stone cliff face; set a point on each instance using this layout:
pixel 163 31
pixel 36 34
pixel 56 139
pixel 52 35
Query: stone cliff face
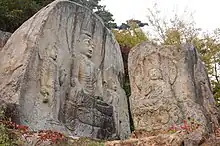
pixel 63 69
pixel 169 85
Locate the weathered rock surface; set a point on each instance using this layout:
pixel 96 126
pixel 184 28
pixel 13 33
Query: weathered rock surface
pixel 159 140
pixel 164 139
pixel 168 85
pixel 4 36
pixel 63 69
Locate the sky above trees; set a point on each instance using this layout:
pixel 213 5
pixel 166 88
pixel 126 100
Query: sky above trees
pixel 205 12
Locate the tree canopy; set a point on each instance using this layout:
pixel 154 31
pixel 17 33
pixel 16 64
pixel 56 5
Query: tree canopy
pixel 130 34
pixel 100 10
pixel 15 12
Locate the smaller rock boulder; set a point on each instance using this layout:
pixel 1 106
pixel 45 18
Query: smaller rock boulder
pixel 170 86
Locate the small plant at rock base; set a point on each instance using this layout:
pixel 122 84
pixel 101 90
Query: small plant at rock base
pixel 217 132
pixel 173 129
pixel 4 137
pixel 8 136
pixel 12 125
pixel 188 126
pixel 49 135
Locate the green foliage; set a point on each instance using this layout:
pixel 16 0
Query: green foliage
pixel 91 4
pixel 130 37
pixel 4 137
pixel 100 10
pixel 172 37
pixel 13 13
pixel 43 3
pixel 107 17
pixel 7 136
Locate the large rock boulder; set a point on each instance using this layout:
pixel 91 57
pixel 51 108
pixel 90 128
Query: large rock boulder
pixel 169 86
pixel 4 36
pixel 63 69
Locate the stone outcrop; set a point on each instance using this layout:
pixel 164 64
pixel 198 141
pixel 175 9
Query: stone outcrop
pixel 169 85
pixel 4 36
pixel 175 139
pixel 63 69
pixel 178 138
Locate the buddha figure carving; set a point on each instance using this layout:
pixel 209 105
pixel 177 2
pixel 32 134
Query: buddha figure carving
pixel 83 70
pixel 83 111
pixel 157 97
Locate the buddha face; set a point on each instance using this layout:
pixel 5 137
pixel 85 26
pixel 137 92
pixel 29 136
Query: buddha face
pixel 87 46
pixel 155 74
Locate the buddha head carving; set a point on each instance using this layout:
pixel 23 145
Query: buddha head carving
pixel 86 44
pixel 155 74
pixel 112 84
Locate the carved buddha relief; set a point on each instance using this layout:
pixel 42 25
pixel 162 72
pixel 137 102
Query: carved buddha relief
pixel 48 58
pixel 158 103
pixel 82 77
pixel 83 69
pixel 83 111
